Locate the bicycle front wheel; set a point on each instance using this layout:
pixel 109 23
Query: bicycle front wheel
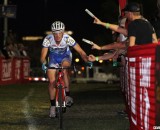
pixel 60 100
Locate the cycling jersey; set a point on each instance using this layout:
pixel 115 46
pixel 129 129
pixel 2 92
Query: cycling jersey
pixel 58 53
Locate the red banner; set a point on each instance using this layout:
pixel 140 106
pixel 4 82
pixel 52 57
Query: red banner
pixel 122 4
pixel 14 70
pixel 143 87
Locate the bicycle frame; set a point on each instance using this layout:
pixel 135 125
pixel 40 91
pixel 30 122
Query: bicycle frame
pixel 60 87
pixel 60 94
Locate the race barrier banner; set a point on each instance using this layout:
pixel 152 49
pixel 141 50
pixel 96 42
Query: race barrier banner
pixel 15 70
pixel 142 86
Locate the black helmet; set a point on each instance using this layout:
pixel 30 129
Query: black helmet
pixel 132 7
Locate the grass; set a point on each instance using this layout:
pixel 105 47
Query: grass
pixel 25 107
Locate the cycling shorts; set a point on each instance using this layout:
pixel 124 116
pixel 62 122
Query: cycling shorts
pixel 55 61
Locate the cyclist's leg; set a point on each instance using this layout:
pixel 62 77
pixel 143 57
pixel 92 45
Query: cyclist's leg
pixel 51 73
pixel 69 100
pixel 52 90
pixel 67 62
pixel 51 87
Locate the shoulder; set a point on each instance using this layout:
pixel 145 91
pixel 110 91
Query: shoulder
pixel 68 39
pixel 47 40
pixel 137 22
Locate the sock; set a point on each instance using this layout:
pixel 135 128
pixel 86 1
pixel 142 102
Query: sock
pixel 68 93
pixel 52 102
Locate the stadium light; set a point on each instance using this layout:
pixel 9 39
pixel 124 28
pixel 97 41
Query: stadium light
pixel 100 61
pixel 32 38
pixel 77 60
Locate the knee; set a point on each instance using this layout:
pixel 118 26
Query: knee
pixel 51 84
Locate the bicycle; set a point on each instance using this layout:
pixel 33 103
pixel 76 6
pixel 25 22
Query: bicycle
pixel 60 93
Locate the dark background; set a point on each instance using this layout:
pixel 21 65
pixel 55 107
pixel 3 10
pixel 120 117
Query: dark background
pixel 34 17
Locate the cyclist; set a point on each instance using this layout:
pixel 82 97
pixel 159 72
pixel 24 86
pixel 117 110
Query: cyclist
pixel 56 45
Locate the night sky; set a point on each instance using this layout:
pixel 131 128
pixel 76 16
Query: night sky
pixel 34 17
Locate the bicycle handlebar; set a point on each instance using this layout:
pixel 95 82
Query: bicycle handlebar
pixel 64 67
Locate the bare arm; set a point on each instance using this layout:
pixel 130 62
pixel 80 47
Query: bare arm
pixel 113 27
pixel 106 56
pixel 115 45
pixel 132 40
pixel 81 52
pixel 154 38
pixel 43 55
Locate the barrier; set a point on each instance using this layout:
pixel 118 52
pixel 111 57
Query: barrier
pixel 142 86
pixel 15 70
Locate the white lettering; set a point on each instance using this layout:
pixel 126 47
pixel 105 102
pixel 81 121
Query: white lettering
pixel 133 89
pixel 145 65
pixel 6 70
pixel 17 69
pixel 156 127
pixel 26 69
pixel 147 107
pixel 132 76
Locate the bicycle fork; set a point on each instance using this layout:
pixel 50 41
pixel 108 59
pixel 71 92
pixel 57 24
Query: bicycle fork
pixel 60 91
pixel 60 98
pixel 60 103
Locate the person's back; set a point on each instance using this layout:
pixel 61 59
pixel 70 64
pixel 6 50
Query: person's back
pixel 142 30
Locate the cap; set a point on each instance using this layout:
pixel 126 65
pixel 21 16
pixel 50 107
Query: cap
pixel 132 7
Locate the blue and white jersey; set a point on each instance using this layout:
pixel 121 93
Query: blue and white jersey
pixel 60 49
pixel 58 52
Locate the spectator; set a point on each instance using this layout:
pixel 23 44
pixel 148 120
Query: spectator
pixel 22 50
pixel 139 27
pixel 119 46
pixel 140 31
pixel 4 52
pixel 10 50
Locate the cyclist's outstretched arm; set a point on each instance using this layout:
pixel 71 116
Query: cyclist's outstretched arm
pixel 113 27
pixel 44 52
pixel 81 52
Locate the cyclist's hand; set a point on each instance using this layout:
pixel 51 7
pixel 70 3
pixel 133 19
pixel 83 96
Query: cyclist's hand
pixel 89 64
pixel 44 67
pixel 91 58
